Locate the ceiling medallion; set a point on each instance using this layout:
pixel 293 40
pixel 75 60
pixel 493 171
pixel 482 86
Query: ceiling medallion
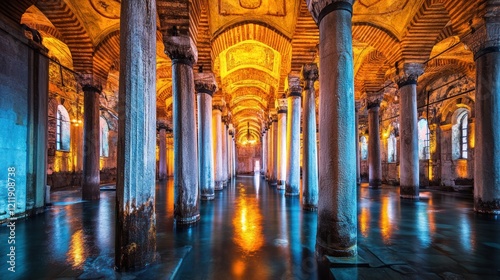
pixel 250 4
pixel 107 8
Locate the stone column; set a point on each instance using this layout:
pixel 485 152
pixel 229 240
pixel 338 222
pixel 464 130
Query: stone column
pixel 337 204
pixel 281 143
pixel 269 149
pixel 235 157
pixel 182 51
pixel 224 151
pixel 293 136
pixel 91 140
pixel 205 86
pixel 217 147
pixel 310 154
pixel 162 162
pixel 374 161
pixel 264 152
pixel 408 165
pixel 358 156
pixel 170 153
pixel 229 152
pixel 486 48
pixel 135 237
pixel 274 173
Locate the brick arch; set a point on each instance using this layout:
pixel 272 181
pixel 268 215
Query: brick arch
pixel 371 74
pixel 378 37
pixel 106 53
pixel 423 31
pixel 74 34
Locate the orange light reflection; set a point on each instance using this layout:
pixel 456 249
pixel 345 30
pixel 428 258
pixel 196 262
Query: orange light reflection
pixel 76 254
pixel 247 223
pixel 385 220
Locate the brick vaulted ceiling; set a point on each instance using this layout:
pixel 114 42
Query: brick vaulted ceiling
pixel 252 45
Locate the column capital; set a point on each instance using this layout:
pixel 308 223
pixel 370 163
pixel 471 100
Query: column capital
pixel 205 82
pixel 321 8
pixel 310 73
pixel 484 40
pixel 162 125
pixel 486 37
pixel 181 49
pixel 218 103
pixel 373 101
pixel 89 83
pixel 273 115
pixel 407 74
pixel 281 105
pixel 358 104
pixel 293 87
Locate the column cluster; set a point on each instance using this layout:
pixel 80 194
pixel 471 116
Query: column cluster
pixel 485 44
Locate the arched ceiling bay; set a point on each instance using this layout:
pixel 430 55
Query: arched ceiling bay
pixel 252 45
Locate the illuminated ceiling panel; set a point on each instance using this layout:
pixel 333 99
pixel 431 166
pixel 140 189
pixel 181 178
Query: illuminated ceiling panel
pixel 250 54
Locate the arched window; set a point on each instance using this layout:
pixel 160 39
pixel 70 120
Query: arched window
pixel 62 129
pixel 364 148
pixel 423 140
pixel 391 148
pixel 460 134
pixel 104 151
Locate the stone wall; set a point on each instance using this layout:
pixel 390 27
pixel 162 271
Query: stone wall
pixel 247 158
pixel 23 118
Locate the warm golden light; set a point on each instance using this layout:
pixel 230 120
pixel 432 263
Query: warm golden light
pixel 385 219
pixel 364 221
pixel 76 254
pixel 247 224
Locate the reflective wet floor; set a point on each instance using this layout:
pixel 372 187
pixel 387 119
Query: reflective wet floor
pixel 253 231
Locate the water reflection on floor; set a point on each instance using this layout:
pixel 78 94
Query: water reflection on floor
pixel 252 231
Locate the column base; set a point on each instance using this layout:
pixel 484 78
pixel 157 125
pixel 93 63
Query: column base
pixel 409 192
pixel 162 177
pixel 375 183
pixel 290 191
pixel 188 220
pixel 273 182
pixel 487 207
pixel 218 186
pixel 281 184
pixel 322 252
pixel 207 197
pixel 310 207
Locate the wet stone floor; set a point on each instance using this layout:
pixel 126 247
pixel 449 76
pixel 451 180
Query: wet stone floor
pixel 253 231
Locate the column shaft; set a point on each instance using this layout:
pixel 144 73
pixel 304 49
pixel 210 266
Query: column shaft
pixel 358 156
pixel 409 166
pixel 91 144
pixel 205 143
pixel 374 162
pixel 293 137
pixel 487 136
pixel 274 174
pixel 217 129
pixel 135 237
pixel 263 154
pixel 229 156
pixel 337 204
pixel 205 86
pixel 281 145
pixel 183 54
pixel 310 156
pixel 162 164
pixel 224 154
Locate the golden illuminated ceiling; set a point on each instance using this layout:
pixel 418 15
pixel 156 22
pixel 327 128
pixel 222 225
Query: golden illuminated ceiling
pixel 252 45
